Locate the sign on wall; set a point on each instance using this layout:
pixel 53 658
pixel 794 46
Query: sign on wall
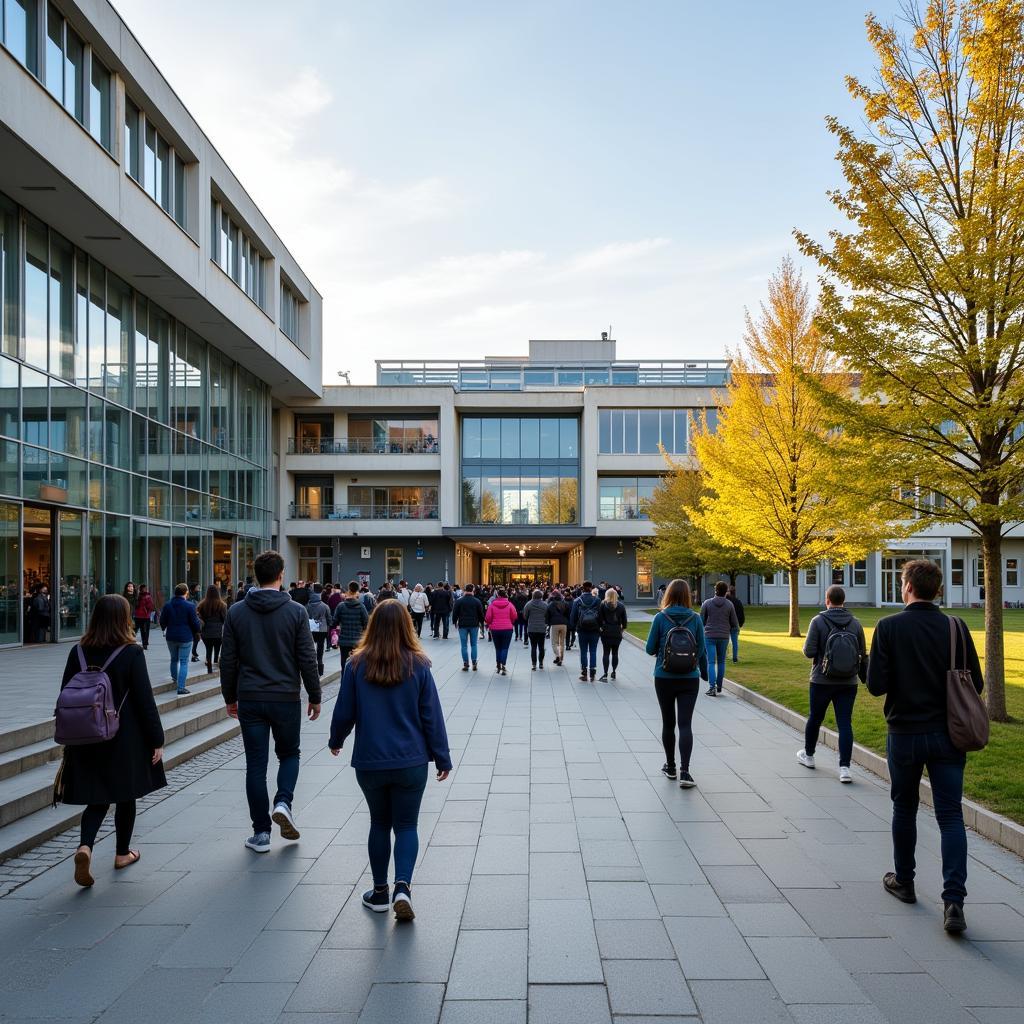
pixel 363 579
pixel 364 552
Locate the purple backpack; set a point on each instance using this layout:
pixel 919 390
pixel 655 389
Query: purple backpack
pixel 85 710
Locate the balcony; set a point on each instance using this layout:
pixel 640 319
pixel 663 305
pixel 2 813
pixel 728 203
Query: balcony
pixel 362 512
pixel 617 510
pixel 359 446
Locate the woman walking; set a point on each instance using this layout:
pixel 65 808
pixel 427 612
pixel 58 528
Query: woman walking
pixel 501 618
pixel 558 620
pixel 535 617
pixel 612 618
pixel 212 612
pixel 142 614
pixel 676 640
pixel 127 766
pixel 389 697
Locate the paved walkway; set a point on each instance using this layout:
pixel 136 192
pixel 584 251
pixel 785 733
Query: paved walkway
pixel 564 881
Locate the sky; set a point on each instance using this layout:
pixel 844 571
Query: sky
pixel 459 177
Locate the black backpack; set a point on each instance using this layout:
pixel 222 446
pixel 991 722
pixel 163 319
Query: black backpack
pixel 680 652
pixel 590 619
pixel 841 658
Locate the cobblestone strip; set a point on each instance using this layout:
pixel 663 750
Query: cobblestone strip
pixel 16 871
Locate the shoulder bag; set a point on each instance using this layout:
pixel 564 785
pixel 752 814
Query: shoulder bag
pixel 966 714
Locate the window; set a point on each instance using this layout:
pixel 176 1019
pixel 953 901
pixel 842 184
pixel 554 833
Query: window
pixel 956 572
pixel 393 563
pixel 237 254
pixel 395 436
pixel 768 579
pixel 100 101
pixel 643 431
pixel 625 497
pixel 19 32
pixel 154 163
pixel 644 577
pixel 811 576
pixel 839 575
pixel 131 140
pixel 979 572
pixel 1011 572
pixel 397 502
pixel 859 573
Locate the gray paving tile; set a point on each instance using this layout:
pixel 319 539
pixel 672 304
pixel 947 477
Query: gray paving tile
pixel 872 956
pixel 728 1002
pixel 734 884
pixel 687 901
pixel 337 981
pixel 912 999
pixel 711 948
pixel 483 1011
pixel 562 944
pixel 622 900
pixel 497 902
pixel 767 919
pixel 245 1003
pixel 633 940
pixel 311 908
pixel 455 833
pixel 569 1004
pixel 713 843
pixel 803 971
pixel 654 987
pixel 84 928
pixel 164 994
pixel 554 837
pixel 786 865
pixel 413 1003
pixel 810 1013
pixel 834 913
pixel 502 855
pixel 557 876
pixel 358 928
pixel 423 951
pixel 980 982
pixel 489 965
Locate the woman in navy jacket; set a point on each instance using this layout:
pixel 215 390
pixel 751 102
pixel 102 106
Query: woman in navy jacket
pixel 389 697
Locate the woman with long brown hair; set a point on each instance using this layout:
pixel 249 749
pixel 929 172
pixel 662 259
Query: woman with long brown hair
pixel 212 612
pixel 127 766
pixel 389 697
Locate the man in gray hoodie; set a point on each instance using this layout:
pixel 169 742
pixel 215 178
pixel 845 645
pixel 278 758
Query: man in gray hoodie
pixel 835 644
pixel 719 618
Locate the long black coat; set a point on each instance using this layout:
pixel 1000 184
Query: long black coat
pixel 121 768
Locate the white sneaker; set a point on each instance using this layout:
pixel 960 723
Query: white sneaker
pixel 845 775
pixel 283 817
pixel 807 760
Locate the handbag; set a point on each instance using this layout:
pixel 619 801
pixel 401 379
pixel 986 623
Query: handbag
pixel 966 714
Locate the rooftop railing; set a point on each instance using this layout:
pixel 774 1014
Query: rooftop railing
pixel 359 446
pixel 298 510
pixel 528 375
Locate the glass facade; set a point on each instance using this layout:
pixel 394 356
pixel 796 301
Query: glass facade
pixel 394 434
pixel 520 471
pixel 133 439
pixel 234 251
pixel 625 497
pixel 647 431
pixel 154 163
pixel 289 317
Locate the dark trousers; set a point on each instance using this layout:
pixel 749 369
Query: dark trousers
pixel 195 645
pixel 344 652
pixel 841 698
pixel 124 824
pixel 536 647
pixel 417 622
pixel 393 797
pixel 588 650
pixel 676 698
pixel 320 639
pixel 570 638
pixel 716 648
pixel 444 620
pixel 520 629
pixel 259 720
pixel 142 627
pixel 212 651
pixel 502 639
pixel 908 756
pixel 610 650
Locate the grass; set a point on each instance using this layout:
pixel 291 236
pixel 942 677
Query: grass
pixel 773 664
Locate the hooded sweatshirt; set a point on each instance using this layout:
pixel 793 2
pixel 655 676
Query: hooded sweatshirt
pixel 501 615
pixel 535 614
pixel 817 634
pixel 719 617
pixel 318 612
pixel 268 651
pixel 584 601
pixel 350 618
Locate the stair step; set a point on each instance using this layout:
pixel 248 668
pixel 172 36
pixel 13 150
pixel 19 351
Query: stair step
pixel 31 755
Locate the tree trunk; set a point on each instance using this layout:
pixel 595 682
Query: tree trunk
pixel 995 669
pixel 732 577
pixel 794 601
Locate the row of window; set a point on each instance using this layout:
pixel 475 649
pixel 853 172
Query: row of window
pixel 289 317
pixel 237 254
pixel 499 495
pixel 647 431
pixel 154 163
pixel 1011 572
pixel 537 437
pixel 625 497
pixel 853 575
pixel 856 574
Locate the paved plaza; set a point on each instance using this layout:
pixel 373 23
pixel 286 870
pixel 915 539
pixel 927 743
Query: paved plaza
pixel 561 880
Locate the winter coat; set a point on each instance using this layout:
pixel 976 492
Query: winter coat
pixel 144 607
pixel 441 601
pixel 741 615
pixel 468 612
pixel 535 614
pixel 817 635
pixel 318 612
pixel 350 618
pixel 719 618
pixel 501 615
pixel 418 602
pixel 558 612
pixel 613 620
pixel 121 768
pixel 213 625
pixel 581 602
pixel 179 621
pixel 667 619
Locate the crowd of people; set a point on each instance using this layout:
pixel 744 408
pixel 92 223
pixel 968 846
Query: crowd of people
pixel 270 644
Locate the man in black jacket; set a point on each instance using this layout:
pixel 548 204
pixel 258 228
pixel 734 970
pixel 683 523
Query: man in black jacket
pixel 267 649
pixel 441 609
pixel 467 617
pixel 741 617
pixel 908 664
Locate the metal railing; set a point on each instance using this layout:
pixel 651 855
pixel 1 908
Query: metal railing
pixel 482 375
pixel 297 510
pixel 360 446
pixel 615 509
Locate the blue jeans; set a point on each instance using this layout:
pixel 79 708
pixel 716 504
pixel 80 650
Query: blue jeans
pixel 393 796
pixel 588 649
pixel 467 633
pixel 842 699
pixel 907 756
pixel 258 720
pixel 734 636
pixel 502 640
pixel 181 651
pixel 716 658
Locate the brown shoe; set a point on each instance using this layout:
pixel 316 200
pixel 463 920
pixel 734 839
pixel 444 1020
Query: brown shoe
pixel 83 866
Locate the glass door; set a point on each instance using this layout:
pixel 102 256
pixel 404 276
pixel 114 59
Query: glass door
pixel 71 580
pixel 37 575
pixel 10 572
pixel 222 561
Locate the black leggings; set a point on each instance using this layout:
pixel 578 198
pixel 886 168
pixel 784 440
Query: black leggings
pixel 610 649
pixel 677 695
pixel 212 650
pixel 124 824
pixel 536 647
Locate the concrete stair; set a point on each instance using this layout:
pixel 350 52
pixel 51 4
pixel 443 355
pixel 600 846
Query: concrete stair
pixel 29 758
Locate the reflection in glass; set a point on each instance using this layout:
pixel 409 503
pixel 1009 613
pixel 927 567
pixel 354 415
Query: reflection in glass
pixel 62 307
pixel 35 292
pixel 10 572
pixel 74 75
pixel 8 398
pixel 10 317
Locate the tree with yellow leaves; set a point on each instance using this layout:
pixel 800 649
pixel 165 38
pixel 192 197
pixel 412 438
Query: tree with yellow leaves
pixel 924 293
pixel 776 475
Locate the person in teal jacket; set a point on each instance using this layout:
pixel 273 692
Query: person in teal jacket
pixel 677 693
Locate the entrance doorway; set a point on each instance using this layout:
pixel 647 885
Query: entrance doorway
pixel 528 573
pixel 892 573
pixel 52 574
pixel 37 575
pixel 222 562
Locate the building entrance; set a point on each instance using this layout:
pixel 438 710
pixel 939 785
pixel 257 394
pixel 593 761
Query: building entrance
pixel 527 573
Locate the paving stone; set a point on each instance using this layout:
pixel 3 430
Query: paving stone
pixel 423 951
pixel 912 999
pixel 489 965
pixel 872 956
pixel 479 1011
pixel 455 833
pixel 84 928
pixel 562 943
pixel 557 876
pixel 633 940
pixel 786 865
pixel 687 900
pixel 728 1002
pixel 712 948
pixel 569 1004
pixel 502 855
pixel 803 971
pixel 311 908
pixel 417 1004
pixel 767 919
pixel 245 1002
pixel 622 901
pixel 337 980
pixel 165 994
pixel 554 837
pixel 833 913
pixel 734 884
pixel 647 987
pixel 276 956
pixel 497 902
pixel 980 982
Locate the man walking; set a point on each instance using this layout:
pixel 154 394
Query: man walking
pixel 719 618
pixel 441 609
pixel 180 623
pixel 350 620
pixel 908 664
pixel 835 643
pixel 741 617
pixel 467 617
pixel 268 648
pixel 418 607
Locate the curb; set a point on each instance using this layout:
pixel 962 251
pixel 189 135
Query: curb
pixel 1003 831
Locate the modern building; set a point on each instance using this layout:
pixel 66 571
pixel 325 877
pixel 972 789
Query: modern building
pixel 150 317
pixel 501 470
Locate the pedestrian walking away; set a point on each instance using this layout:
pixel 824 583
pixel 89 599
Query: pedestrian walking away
pixel 558 621
pixel 467 618
pixel 350 618
pixel 908 664
pixel 501 618
pixel 441 610
pixel 180 623
pixel 835 644
pixel 143 613
pixel 268 655
pixel 534 615
pixel 612 619
pixel 677 642
pixel 127 766
pixel 519 599
pixel 418 607
pixel 319 617
pixel 585 620
pixel 389 697
pixel 212 612
pixel 741 618
pixel 719 618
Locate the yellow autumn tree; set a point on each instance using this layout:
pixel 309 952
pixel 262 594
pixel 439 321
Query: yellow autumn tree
pixel 774 472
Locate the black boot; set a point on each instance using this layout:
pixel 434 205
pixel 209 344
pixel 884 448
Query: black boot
pixel 593 674
pixel 474 666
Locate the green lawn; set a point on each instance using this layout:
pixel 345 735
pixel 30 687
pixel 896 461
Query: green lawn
pixel 772 663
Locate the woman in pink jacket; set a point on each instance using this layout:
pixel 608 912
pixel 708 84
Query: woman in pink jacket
pixel 501 620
